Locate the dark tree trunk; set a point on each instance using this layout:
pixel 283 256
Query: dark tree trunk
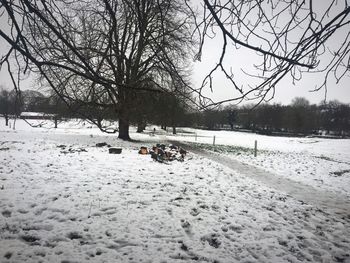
pixel 141 127
pixel 174 130
pixel 124 129
pixel 6 120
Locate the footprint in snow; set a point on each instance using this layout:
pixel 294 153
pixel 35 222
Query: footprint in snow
pixel 22 211
pixel 74 235
pixel 8 255
pixel 6 213
pixel 194 212
pixel 186 226
pixel 32 239
pixel 212 239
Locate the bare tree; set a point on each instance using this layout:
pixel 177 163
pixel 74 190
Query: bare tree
pixel 100 55
pixel 286 38
pixel 5 104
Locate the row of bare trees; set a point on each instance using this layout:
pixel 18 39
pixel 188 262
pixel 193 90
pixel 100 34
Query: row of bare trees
pixel 298 118
pixel 105 56
pixel 165 110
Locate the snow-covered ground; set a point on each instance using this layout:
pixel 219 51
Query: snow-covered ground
pixel 321 163
pixel 338 149
pixel 65 200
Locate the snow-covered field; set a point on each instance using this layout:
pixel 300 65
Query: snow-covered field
pixel 321 163
pixel 65 200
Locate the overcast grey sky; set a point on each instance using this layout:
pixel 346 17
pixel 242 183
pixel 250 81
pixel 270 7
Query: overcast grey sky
pixel 284 92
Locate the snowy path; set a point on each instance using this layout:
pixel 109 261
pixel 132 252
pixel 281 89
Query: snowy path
pixel 337 204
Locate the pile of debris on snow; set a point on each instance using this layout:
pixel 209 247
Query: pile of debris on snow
pixel 111 150
pixel 103 144
pixel 70 149
pixel 162 153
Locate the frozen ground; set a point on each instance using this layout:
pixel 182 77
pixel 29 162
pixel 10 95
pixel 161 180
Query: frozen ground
pixel 65 200
pixel 321 163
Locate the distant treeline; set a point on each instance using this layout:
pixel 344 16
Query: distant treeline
pixel 164 110
pixel 298 118
pixel 30 100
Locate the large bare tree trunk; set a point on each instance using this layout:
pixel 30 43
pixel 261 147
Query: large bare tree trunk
pixel 124 125
pixel 124 129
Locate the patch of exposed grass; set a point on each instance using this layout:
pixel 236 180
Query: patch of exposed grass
pixel 330 159
pixel 4 149
pixel 227 149
pixel 340 173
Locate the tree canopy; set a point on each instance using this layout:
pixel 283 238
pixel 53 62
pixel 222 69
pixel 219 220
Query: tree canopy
pixel 101 54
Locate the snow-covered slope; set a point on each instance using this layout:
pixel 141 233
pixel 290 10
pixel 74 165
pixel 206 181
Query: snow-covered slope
pixel 65 200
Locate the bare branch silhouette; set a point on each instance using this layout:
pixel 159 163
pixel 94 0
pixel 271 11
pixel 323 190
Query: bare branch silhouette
pixel 289 38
